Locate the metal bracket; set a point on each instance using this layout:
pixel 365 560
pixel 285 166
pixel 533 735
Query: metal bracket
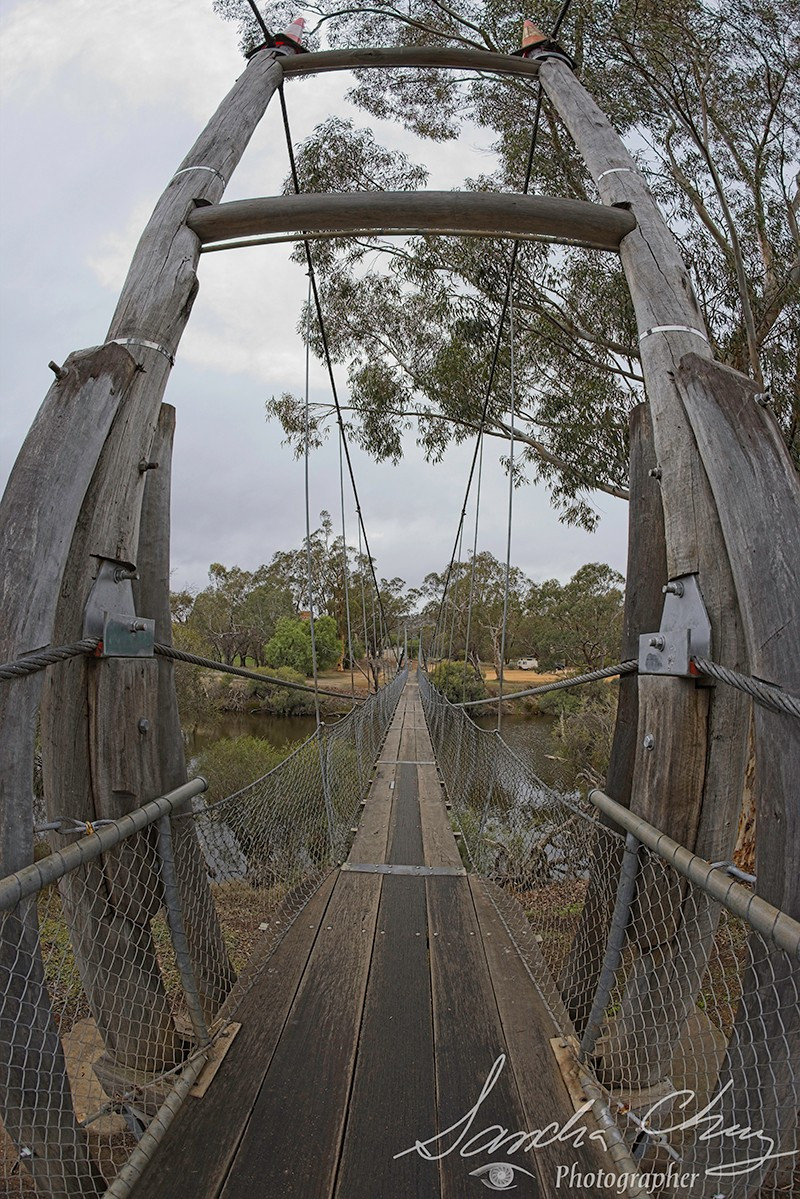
pixel 685 632
pixel 110 614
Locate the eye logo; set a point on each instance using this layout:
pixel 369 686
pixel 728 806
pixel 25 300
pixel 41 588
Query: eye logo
pixel 499 1176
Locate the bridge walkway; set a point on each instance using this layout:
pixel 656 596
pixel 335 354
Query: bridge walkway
pixel 375 1024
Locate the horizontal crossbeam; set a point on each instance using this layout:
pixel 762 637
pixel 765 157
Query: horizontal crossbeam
pixel 492 214
pixel 441 57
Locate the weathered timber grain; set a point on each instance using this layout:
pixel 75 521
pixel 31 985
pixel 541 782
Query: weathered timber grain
pixel 40 506
pixel 494 213
pixel 646 568
pixel 161 286
pixel 662 295
pixel 38 513
pixel 291 1146
pixel 758 500
pixel 96 763
pixel 212 969
pixel 394 1097
pixel 154 306
pixel 758 497
pixel 195 1156
pixel 372 838
pixel 708 810
pixel 439 844
pixel 465 1014
pixel 405 836
pixel 527 1028
pixel 443 57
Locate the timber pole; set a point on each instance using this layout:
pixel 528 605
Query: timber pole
pixel 96 425
pixel 688 744
pixel 213 972
pixel 693 742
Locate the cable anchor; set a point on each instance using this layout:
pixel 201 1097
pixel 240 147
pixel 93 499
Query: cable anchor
pixel 110 613
pixel 685 632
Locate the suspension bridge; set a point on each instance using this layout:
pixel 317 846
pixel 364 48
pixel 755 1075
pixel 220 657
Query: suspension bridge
pixel 400 964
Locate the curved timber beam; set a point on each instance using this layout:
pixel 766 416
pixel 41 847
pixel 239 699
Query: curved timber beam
pixel 456 58
pixel 492 214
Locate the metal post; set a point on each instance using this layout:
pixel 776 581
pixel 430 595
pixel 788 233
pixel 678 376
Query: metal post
pixel 626 890
pixel 183 958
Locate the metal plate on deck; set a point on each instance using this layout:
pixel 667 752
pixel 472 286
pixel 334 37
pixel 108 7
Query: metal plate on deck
pixel 414 871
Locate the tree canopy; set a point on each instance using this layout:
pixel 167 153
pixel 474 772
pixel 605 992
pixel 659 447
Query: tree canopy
pixel 703 95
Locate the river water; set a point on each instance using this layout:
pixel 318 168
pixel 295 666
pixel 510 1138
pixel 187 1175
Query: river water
pixel 531 737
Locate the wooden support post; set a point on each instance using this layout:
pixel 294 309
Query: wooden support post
pixel 36 1108
pixel 758 498
pixel 39 511
pixel 646 569
pixel 690 750
pixel 46 502
pixel 212 969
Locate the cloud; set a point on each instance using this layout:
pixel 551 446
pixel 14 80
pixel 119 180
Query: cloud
pixel 147 54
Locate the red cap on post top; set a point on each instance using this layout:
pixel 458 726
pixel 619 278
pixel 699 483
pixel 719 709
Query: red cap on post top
pixel 291 36
pixel 531 35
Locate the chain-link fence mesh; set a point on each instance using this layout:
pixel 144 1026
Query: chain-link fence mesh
pixel 118 973
pixel 687 1015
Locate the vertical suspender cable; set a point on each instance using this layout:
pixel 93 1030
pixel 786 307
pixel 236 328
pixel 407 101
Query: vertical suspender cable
pixel 510 514
pixel 309 568
pixel 472 570
pixel 512 266
pixel 364 607
pixel 326 351
pixel 459 560
pixel 346 574
pixel 323 772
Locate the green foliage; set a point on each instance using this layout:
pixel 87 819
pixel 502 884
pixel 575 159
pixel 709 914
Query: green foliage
pixel 458 681
pixel 585 732
pixel 579 623
pixel 234 762
pixel 196 703
pixel 291 644
pixel 705 95
pixel 283 701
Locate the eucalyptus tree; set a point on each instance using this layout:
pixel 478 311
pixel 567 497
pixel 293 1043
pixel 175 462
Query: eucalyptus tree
pixel 703 94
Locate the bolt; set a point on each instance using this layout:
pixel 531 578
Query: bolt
pixel 673 588
pixel 761 397
pixel 144 465
pixel 138 626
pixel 655 472
pixel 649 741
pixel 143 726
pixel 57 370
pixel 657 642
pixel 121 573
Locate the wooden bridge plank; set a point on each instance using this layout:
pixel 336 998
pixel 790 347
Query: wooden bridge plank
pixel 528 1027
pixel 394 1096
pixel 468 1035
pixel 292 1141
pixel 371 841
pixel 201 1142
pixel 405 841
pixel 437 836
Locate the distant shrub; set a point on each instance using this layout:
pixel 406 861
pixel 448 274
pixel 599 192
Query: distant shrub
pixel 585 732
pixel 234 762
pixel 458 681
pixel 284 701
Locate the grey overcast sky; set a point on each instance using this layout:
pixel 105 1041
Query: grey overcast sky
pixel 100 100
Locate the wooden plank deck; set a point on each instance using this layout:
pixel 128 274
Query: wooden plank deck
pixel 379 1019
